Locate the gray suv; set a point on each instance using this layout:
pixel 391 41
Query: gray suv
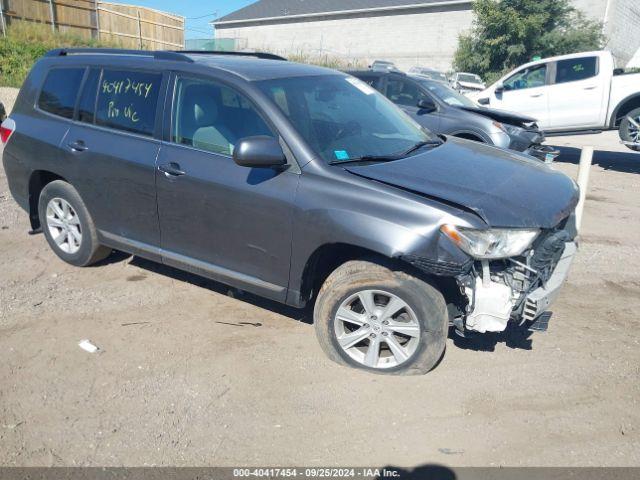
pixel 297 183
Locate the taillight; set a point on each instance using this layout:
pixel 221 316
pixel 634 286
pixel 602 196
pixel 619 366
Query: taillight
pixel 6 130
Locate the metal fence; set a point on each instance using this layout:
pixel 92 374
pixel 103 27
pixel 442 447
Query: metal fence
pixel 127 25
pixel 217 44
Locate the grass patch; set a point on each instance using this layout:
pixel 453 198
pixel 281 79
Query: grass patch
pixel 26 42
pixel 328 61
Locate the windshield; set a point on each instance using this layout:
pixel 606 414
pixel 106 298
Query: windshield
pixel 469 77
pixel 447 94
pixel 343 118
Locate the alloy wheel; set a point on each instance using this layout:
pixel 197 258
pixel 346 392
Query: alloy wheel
pixel 634 129
pixel 64 225
pixel 377 329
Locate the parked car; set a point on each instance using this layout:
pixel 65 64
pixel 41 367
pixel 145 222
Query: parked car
pixel 467 82
pixel 294 182
pixel 383 66
pixel 570 93
pixel 429 74
pixel 442 110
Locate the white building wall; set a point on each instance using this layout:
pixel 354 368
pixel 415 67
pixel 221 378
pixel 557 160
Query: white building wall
pixel 429 38
pixel 622 28
pixel 407 40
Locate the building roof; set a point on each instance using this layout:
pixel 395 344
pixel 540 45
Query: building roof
pixel 280 9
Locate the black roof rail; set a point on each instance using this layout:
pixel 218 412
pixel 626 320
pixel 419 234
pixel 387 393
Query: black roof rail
pixel 263 55
pixel 159 54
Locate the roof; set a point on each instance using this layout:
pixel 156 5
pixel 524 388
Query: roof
pixel 283 9
pixel 255 69
pixel 242 64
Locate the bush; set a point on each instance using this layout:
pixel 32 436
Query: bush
pixel 25 43
pixel 508 33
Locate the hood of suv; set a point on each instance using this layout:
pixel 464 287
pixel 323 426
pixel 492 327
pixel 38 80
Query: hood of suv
pixel 504 188
pixel 503 116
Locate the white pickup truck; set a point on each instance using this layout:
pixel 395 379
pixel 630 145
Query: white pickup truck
pixel 572 93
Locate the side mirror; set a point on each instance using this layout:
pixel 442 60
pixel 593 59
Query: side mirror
pixel 3 113
pixel 259 152
pixel 426 104
pixel 499 88
pixel 483 101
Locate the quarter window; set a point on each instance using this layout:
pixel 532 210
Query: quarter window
pixel 576 69
pixel 127 100
pixel 213 117
pixel 60 91
pixel 530 77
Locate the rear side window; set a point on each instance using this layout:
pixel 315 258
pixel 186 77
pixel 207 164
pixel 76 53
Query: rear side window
pixel 127 100
pixel 576 69
pixel 87 104
pixel 60 90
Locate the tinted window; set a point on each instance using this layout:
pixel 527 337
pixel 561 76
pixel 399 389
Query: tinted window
pixel 60 90
pixel 402 92
pixel 87 104
pixel 213 117
pixel 127 100
pixel 576 69
pixel 530 77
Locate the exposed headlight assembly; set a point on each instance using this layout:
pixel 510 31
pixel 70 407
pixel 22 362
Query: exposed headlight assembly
pixel 492 243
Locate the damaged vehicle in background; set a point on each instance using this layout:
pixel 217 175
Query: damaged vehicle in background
pixel 429 74
pixel 293 182
pixel 442 110
pixel 467 82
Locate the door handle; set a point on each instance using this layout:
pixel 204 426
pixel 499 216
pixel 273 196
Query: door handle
pixel 172 169
pixel 536 95
pixel 78 146
pixel 590 87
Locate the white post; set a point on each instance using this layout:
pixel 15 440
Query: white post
pixel 2 22
pixel 583 181
pixel 139 30
pixel 53 16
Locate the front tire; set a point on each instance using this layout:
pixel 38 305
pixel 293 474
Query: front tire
pixel 382 320
pixel 67 225
pixel 630 129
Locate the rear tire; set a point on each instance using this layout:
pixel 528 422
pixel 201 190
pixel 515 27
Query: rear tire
pixel 409 337
pixel 628 131
pixel 67 225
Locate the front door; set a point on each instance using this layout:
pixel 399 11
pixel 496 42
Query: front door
pixel 406 94
pixel 219 219
pixel 526 92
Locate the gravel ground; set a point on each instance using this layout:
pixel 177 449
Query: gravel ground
pixel 189 375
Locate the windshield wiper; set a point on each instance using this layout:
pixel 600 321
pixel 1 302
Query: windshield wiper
pixel 389 158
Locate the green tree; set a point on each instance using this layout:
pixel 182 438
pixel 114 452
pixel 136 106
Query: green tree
pixel 508 33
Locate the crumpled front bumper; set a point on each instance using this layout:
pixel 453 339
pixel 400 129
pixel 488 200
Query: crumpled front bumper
pixel 538 301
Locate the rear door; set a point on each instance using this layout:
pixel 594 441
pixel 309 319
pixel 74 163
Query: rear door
pixel 526 92
pixel 577 94
pixel 219 219
pixel 114 144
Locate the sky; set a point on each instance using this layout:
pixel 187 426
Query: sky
pixel 192 9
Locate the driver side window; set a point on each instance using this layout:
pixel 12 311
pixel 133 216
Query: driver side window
pixel 213 117
pixel 402 92
pixel 530 77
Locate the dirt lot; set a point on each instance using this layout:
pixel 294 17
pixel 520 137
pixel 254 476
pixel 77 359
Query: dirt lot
pixel 189 375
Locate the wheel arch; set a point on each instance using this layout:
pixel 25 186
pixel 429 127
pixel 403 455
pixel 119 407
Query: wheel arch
pixel 625 106
pixel 37 181
pixel 328 257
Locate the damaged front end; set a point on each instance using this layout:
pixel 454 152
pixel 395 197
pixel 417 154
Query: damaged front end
pixel 519 288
